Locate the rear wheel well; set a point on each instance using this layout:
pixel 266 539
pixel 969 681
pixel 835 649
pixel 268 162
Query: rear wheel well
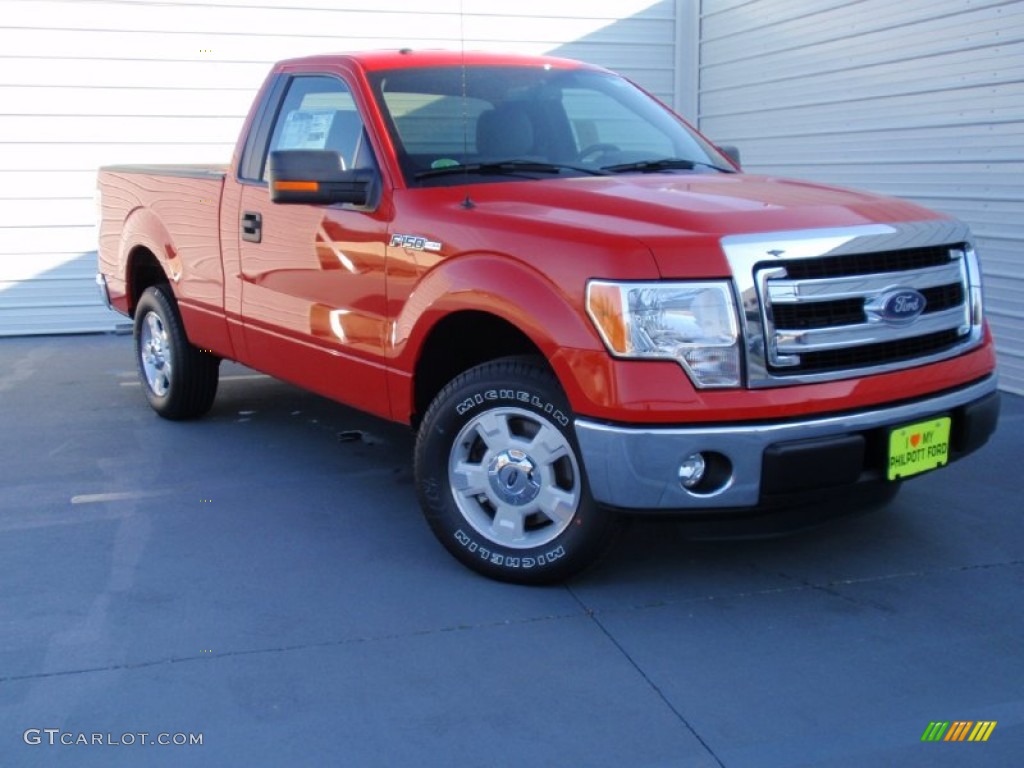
pixel 458 343
pixel 144 271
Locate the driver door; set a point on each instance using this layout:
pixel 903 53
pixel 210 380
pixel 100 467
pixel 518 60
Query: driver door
pixel 312 276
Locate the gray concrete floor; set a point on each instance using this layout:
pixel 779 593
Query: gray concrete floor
pixel 263 577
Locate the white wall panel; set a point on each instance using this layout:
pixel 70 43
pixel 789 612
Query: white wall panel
pixel 85 83
pixel 46 105
pixel 922 99
pixel 88 157
pixel 16 269
pixel 38 212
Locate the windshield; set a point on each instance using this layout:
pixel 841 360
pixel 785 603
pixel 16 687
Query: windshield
pixel 455 125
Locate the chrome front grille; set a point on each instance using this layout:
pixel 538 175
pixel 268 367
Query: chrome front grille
pixel 806 320
pixel 818 305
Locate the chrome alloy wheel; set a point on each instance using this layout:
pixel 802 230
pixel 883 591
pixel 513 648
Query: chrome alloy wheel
pixel 155 353
pixel 514 477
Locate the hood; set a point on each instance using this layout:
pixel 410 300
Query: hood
pixel 682 217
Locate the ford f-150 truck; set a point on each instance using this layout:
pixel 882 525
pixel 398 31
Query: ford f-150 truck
pixel 581 305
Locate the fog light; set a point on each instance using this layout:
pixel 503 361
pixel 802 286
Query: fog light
pixel 691 470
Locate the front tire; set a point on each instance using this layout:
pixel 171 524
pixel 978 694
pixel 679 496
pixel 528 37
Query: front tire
pixel 180 381
pixel 500 480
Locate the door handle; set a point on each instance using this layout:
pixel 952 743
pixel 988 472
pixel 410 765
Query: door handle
pixel 252 227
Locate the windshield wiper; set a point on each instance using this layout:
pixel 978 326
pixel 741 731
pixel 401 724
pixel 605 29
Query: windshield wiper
pixel 509 167
pixel 665 164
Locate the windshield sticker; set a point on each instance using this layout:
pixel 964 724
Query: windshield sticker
pixel 306 129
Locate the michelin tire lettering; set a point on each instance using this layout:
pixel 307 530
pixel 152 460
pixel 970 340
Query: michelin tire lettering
pixel 519 396
pixel 508 561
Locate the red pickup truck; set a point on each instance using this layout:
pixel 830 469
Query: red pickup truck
pixel 581 305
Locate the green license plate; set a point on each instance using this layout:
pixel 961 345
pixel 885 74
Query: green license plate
pixel 918 447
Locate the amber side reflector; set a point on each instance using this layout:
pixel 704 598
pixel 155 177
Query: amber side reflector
pixel 297 186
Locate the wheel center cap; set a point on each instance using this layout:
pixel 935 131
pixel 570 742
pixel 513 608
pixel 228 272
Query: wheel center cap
pixel 513 478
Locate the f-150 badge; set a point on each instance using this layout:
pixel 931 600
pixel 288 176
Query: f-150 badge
pixel 415 243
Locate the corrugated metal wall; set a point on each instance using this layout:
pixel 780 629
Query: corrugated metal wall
pixel 922 99
pixel 89 82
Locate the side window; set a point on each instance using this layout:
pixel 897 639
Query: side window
pixel 318 112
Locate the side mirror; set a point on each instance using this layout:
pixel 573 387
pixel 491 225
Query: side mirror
pixel 733 153
pixel 315 176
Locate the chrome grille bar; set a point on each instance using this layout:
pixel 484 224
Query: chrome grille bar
pixel 781 291
pixel 842 337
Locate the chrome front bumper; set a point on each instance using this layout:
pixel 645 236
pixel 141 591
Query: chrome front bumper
pixel 637 468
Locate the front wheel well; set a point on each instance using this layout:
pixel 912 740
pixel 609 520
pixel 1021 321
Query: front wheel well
pixel 458 343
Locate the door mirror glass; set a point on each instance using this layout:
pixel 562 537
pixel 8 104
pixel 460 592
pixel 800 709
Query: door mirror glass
pixel 315 176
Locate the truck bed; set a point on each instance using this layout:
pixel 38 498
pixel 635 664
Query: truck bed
pixel 172 211
pixel 190 171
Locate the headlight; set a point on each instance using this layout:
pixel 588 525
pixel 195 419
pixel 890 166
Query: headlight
pixel 693 323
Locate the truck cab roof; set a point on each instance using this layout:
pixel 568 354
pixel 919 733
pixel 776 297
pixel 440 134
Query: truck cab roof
pixel 372 61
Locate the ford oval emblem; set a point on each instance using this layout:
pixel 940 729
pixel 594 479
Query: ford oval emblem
pixel 897 306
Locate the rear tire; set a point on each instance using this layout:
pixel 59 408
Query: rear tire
pixel 180 381
pixel 500 479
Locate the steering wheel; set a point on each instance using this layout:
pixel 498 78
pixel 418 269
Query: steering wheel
pixel 591 153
